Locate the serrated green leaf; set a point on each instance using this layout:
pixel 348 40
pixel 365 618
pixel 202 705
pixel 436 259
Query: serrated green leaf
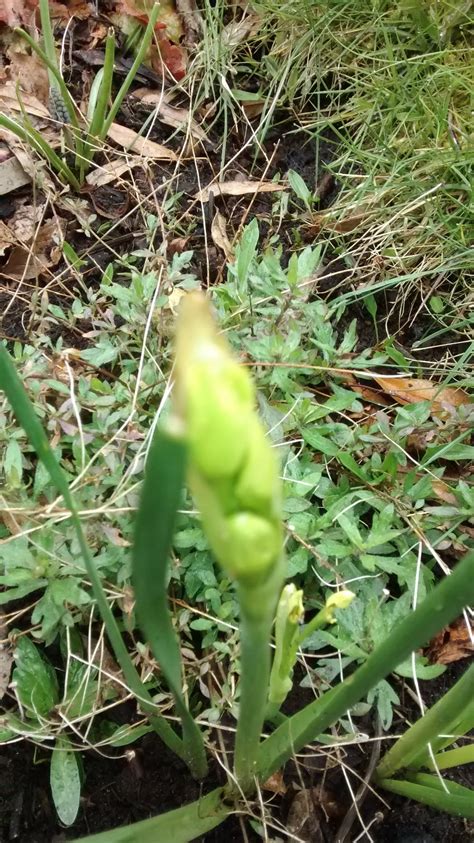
pixel 34 678
pixel 13 463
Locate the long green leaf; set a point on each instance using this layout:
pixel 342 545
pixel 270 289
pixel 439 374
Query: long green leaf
pixel 65 781
pixel 411 749
pixel 429 790
pixel 178 826
pixel 35 139
pixel 61 85
pixel 160 499
pixel 445 603
pixel 453 757
pixel 26 416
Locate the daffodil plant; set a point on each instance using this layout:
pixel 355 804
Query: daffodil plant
pixel 214 440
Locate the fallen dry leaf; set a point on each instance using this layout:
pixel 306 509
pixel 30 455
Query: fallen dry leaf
pixel 31 75
pixel 237 188
pixel 6 657
pixel 32 105
pixel 192 21
pixel 442 491
pixel 451 644
pixel 410 390
pixel 239 30
pixel 17 12
pixel 45 251
pixel 12 174
pixel 303 820
pixel 171 115
pixel 275 783
pixel 112 171
pixel 219 235
pixel 367 392
pixel 7 238
pixel 79 9
pixel 131 140
pixel 24 222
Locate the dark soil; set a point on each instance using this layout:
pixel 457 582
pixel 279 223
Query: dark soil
pixel 149 780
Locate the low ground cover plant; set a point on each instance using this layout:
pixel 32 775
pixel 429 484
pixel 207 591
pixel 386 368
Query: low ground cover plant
pixel 312 174
pixel 215 437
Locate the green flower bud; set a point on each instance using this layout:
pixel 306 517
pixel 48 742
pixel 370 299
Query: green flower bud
pixel 214 395
pixel 258 483
pixel 233 470
pixel 254 545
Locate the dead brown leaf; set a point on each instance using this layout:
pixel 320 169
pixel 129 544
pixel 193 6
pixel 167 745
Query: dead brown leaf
pixel 219 235
pixel 17 12
pixel 79 9
pixel 239 30
pixel 12 175
pixel 7 238
pixel 374 396
pixel 171 115
pixel 443 492
pixel 31 74
pixel 45 251
pixel 192 21
pixel 112 170
pixel 453 643
pixel 237 188
pixel 275 783
pixel 410 390
pixel 303 819
pixel 131 140
pixel 24 222
pixel 32 105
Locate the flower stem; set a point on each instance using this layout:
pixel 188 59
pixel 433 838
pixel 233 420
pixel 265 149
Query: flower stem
pixel 257 607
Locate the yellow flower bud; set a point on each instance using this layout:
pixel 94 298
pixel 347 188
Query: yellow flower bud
pixel 337 600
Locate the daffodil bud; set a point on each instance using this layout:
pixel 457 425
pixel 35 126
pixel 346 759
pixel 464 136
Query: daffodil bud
pixel 233 470
pixel 289 616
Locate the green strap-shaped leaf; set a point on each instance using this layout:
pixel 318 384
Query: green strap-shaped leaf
pixel 160 499
pixel 178 826
pixel 430 790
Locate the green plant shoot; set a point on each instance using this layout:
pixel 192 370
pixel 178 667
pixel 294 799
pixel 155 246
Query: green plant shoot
pixel 233 474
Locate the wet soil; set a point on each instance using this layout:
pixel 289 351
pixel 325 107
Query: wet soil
pixel 120 788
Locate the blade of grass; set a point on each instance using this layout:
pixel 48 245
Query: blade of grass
pixel 34 138
pixel 61 85
pixel 445 603
pixel 160 499
pixel 452 798
pixel 27 418
pixel 147 36
pixel 179 826
pixel 99 99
